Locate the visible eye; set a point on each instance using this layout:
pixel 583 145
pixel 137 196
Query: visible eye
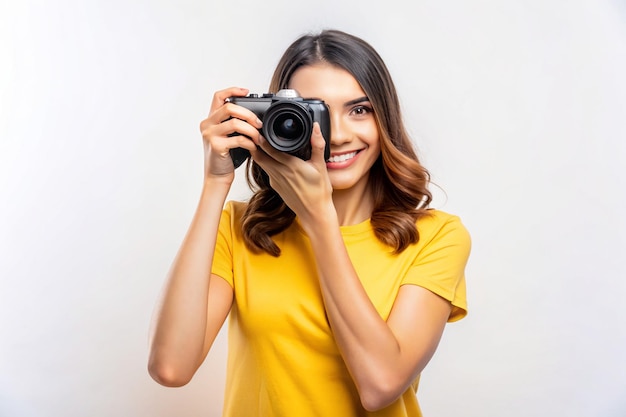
pixel 361 111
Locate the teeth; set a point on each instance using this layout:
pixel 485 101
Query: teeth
pixel 341 158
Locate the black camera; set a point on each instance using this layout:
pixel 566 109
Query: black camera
pixel 287 122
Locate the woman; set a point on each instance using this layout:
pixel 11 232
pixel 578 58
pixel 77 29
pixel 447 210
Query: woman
pixel 337 277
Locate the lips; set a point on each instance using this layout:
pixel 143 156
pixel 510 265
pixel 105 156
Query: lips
pixel 342 158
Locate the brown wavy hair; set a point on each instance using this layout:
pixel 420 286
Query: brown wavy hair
pixel 398 181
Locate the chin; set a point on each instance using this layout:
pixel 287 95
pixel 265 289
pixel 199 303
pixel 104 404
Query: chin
pixel 346 184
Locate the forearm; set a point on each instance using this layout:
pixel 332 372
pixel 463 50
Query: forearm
pixel 180 320
pixel 370 348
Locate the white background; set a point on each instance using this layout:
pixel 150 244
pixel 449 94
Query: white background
pixel 517 108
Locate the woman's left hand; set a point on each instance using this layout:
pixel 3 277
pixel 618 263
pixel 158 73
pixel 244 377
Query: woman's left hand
pixel 303 185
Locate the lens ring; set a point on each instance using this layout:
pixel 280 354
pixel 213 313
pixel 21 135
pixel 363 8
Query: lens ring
pixel 287 126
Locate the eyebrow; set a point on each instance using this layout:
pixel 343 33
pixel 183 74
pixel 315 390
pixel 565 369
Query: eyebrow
pixel 356 101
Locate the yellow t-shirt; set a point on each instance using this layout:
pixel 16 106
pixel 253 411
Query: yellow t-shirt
pixel 283 360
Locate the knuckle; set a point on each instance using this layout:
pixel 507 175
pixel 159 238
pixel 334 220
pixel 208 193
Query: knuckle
pixel 229 107
pixel 204 124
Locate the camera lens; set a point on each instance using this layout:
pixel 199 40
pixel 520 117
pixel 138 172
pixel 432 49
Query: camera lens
pixel 287 126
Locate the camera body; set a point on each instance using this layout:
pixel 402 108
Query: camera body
pixel 287 122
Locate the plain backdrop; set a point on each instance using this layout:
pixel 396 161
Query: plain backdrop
pixel 517 108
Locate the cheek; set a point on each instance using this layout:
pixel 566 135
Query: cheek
pixel 369 134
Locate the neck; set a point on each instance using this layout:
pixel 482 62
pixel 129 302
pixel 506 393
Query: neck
pixel 354 205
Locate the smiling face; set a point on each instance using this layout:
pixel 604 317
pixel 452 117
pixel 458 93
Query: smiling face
pixel 354 138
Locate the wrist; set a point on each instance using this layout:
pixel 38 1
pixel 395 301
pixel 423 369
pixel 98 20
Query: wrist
pixel 215 188
pixel 318 222
pixel 218 182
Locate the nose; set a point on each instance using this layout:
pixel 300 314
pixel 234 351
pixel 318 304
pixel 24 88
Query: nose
pixel 339 133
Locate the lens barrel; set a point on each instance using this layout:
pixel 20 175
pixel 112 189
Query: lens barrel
pixel 287 125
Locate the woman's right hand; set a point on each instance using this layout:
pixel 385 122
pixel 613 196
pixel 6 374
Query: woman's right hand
pixel 227 126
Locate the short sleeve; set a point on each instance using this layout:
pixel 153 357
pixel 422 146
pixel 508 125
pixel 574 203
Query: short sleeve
pixel 440 264
pixel 223 256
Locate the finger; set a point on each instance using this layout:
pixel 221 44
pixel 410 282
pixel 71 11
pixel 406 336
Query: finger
pixel 240 141
pixel 230 111
pixel 235 126
pixel 260 157
pixel 219 98
pixel 318 144
pixel 279 156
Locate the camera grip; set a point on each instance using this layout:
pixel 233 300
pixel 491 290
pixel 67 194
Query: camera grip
pixel 239 156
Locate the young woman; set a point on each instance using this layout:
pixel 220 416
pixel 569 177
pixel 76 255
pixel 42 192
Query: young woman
pixel 337 277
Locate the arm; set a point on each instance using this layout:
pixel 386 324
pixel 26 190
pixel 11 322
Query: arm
pixel 193 303
pixel 383 357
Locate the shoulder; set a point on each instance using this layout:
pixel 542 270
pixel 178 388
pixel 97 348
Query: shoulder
pixel 437 225
pixel 231 219
pixel 234 206
pixel 234 210
pixel 441 256
pixel 437 219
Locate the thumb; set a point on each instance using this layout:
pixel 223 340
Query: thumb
pixel 318 144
